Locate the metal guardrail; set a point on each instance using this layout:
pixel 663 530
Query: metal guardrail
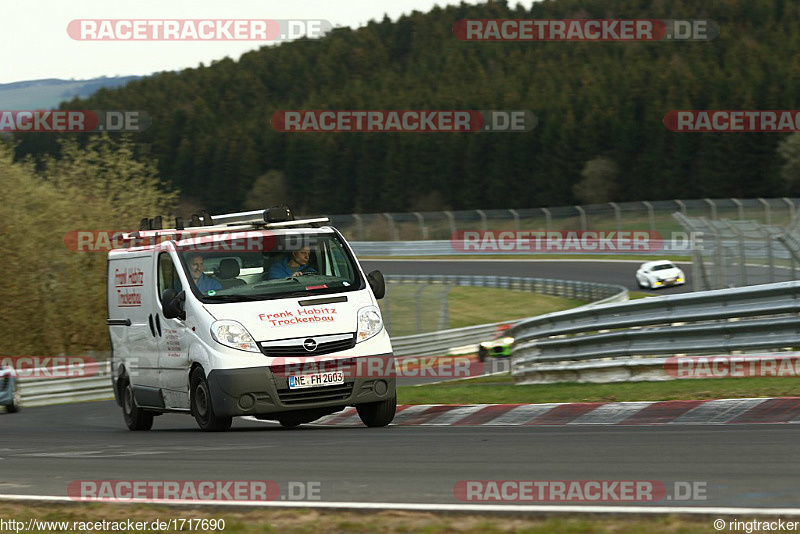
pixel 43 392
pixel 47 391
pixel 752 318
pixel 653 215
pixel 446 248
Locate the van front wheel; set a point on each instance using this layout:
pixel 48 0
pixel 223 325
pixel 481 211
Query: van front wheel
pixel 377 413
pixel 202 408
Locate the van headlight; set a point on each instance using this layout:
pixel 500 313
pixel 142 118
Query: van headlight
pixel 369 323
pixel 234 335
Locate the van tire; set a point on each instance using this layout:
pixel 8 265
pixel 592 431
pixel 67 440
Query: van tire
pixel 135 417
pixel 202 408
pixel 376 414
pixel 290 423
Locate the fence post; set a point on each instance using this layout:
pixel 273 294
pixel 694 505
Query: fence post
pixel 740 206
pixel 583 217
pixel 359 226
pixel 392 229
pixel 452 220
pixel 791 208
pixel 681 205
pixel 766 210
pixel 423 231
pixel 547 219
pixel 617 215
pixel 516 219
pixel 483 219
pixel 742 253
pixel 387 319
pixel 444 312
pixel 418 308
pixel 713 208
pixel 650 215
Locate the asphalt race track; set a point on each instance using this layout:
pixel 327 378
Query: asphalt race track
pixel 46 448
pixel 736 465
pixel 620 272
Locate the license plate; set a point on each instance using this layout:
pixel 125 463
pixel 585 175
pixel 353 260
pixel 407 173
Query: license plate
pixel 331 378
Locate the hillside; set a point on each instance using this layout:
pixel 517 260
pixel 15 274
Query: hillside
pixel 212 136
pixel 50 92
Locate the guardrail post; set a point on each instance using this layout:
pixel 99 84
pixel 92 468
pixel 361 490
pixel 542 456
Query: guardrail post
pixel 583 217
pixel 617 215
pixel 681 205
pixel 392 229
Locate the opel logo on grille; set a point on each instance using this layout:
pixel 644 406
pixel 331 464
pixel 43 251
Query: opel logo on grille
pixel 310 345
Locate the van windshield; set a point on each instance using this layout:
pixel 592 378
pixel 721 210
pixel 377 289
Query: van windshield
pixel 264 265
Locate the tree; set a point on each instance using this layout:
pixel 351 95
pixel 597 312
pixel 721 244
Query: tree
pixel 55 299
pixel 599 183
pixel 268 190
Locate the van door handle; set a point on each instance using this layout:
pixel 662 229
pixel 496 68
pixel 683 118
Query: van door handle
pixel 152 328
pixel 158 325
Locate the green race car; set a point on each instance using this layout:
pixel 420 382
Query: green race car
pixel 499 347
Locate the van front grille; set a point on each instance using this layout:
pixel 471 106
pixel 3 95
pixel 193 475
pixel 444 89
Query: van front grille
pixel 295 347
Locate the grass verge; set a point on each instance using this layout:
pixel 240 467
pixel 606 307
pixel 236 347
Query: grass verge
pixel 246 521
pixel 415 308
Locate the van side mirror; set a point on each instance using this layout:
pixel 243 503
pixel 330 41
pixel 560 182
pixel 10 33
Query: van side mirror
pixel 172 303
pixel 377 283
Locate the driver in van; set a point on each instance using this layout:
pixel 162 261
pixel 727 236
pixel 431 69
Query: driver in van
pixel 294 264
pixel 204 283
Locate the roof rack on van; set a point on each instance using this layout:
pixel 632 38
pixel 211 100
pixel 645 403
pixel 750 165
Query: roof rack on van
pixel 276 217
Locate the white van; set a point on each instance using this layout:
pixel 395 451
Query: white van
pixel 250 314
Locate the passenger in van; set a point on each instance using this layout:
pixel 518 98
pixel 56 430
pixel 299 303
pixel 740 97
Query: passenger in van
pixel 294 264
pixel 204 283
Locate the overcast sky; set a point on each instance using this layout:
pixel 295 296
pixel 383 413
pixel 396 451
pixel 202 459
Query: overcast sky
pixel 35 43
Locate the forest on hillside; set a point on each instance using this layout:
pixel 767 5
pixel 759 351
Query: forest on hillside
pixel 600 107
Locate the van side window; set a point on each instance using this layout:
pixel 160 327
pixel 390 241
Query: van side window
pixel 167 274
